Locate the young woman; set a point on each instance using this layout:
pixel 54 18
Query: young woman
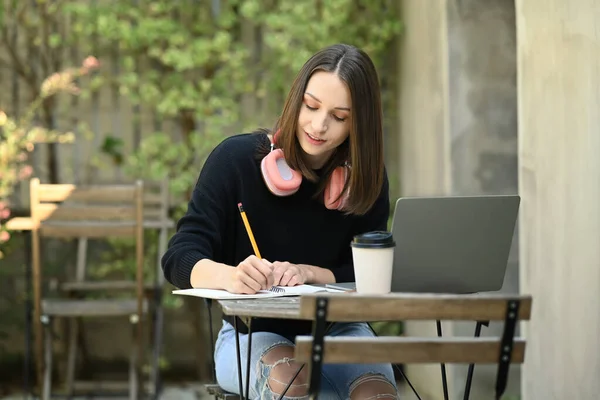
pixel 307 188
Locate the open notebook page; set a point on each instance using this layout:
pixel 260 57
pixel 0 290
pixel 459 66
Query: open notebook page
pixel 225 295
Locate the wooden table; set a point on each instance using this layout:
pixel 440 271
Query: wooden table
pixel 414 306
pixel 273 307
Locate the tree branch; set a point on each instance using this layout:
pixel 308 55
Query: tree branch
pixel 22 69
pixel 44 46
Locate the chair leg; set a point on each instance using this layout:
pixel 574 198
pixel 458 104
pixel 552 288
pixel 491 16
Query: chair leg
pixel 72 355
pixel 47 385
pixel 133 360
pixel 157 338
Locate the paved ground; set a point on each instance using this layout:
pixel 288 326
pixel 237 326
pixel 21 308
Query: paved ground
pixel 183 392
pixel 196 392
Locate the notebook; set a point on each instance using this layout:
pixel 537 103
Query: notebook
pixel 280 291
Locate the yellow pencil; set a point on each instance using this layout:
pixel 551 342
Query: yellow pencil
pixel 247 224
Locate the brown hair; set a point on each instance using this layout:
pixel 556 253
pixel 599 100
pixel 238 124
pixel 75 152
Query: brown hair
pixel 364 147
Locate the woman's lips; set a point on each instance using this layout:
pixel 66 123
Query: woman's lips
pixel 313 140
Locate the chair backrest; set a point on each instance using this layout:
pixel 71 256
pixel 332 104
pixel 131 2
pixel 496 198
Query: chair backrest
pixel 156 216
pixel 87 211
pixel 347 307
pixel 70 211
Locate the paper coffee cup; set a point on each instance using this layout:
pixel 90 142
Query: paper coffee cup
pixel 373 257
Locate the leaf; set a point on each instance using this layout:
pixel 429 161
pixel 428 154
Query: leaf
pixel 54 40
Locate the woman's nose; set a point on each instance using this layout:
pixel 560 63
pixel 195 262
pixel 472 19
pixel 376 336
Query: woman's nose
pixel 319 123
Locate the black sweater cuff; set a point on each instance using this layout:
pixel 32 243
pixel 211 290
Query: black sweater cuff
pixel 182 274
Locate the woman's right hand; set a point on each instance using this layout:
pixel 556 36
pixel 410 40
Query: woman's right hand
pixel 250 276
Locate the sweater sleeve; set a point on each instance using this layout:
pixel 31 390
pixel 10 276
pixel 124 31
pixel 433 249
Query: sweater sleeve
pixel 200 231
pixel 374 220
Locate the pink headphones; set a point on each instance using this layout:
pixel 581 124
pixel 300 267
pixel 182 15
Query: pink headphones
pixel 284 181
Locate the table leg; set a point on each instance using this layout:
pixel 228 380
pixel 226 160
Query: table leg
pixel 443 366
pixel 248 359
pixel 208 303
pixel 239 361
pixel 472 366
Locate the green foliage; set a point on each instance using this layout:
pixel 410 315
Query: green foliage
pixel 194 62
pixel 295 29
pixel 33 43
pixel 18 137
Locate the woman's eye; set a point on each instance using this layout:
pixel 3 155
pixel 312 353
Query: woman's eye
pixel 316 108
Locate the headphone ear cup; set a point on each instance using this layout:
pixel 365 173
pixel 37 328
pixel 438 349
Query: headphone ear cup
pixel 278 176
pixel 334 187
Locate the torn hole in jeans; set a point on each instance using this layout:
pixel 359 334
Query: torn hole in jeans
pixel 276 371
pixel 285 360
pixel 374 377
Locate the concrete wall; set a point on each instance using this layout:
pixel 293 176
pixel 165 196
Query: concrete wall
pixel 424 143
pixel 559 173
pixel 423 113
pixel 483 137
pixel 458 115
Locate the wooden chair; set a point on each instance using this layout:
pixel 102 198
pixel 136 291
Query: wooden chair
pixel 156 217
pixel 102 211
pixel 318 349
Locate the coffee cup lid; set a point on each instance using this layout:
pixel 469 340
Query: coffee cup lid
pixel 374 239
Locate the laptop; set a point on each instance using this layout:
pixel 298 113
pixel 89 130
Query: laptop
pixel 451 244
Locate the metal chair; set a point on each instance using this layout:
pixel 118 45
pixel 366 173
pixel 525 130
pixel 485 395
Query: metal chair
pixel 318 349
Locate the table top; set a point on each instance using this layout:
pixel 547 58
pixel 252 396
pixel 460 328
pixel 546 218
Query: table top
pixel 406 305
pixel 273 307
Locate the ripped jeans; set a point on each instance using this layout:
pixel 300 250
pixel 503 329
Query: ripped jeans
pixel 337 382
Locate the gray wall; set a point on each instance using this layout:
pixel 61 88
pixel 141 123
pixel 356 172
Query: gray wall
pixel 423 122
pixel 483 130
pixel 458 118
pixel 459 100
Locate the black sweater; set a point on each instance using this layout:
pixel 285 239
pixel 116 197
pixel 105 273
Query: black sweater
pixel 297 228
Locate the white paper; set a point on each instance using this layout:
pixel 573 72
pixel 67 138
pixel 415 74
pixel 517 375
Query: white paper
pixel 225 295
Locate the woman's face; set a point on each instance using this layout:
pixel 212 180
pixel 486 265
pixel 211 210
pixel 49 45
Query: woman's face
pixel 324 119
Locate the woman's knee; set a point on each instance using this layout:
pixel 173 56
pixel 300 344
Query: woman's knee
pixel 372 386
pixel 282 369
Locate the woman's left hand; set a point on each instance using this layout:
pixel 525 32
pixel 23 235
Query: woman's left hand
pixel 288 274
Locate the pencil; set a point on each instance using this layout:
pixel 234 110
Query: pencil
pixel 250 235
